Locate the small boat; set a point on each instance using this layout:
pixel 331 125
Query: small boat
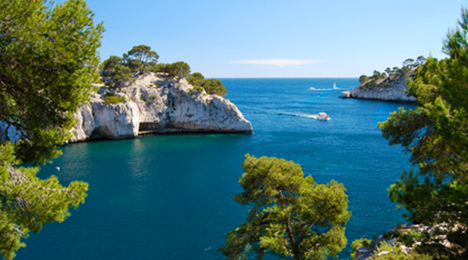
pixel 312 88
pixel 323 116
pixel 334 86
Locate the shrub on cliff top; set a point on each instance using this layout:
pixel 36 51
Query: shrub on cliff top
pixel 121 70
pixel 409 66
pixel 178 70
pixel 111 98
pixel 211 86
pixel 140 57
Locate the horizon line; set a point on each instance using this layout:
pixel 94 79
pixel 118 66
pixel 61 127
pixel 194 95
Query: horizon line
pixel 312 77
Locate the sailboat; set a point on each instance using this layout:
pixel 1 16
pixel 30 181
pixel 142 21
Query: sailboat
pixel 334 86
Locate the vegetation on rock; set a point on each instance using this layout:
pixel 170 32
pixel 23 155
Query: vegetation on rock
pixel 48 61
pixel 121 71
pixel 111 98
pixel 211 86
pixel 120 74
pixel 178 70
pixel 291 216
pixel 386 251
pixel 140 57
pixel 391 74
pixel 360 243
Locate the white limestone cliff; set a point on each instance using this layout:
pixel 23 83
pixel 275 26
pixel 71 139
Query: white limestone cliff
pixel 394 90
pixel 153 105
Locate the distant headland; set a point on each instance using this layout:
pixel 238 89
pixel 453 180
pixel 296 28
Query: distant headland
pixel 389 85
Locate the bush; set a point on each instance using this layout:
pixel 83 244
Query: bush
pixel 179 69
pixel 196 79
pixel 388 252
pixel 363 242
pixel 214 86
pixel 111 98
pixel 122 77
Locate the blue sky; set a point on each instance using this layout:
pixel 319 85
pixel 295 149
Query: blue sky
pixel 295 38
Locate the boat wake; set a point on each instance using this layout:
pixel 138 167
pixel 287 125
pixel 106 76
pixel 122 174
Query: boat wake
pixel 313 116
pixel 325 89
pixel 320 89
pixel 317 116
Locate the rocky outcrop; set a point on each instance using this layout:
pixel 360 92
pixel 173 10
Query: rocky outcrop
pixel 345 94
pixel 388 90
pixel 391 238
pixel 156 105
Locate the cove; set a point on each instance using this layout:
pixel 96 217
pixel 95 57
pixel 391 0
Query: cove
pixel 170 196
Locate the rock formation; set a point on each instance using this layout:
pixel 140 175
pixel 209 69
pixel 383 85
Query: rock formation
pixel 388 90
pixel 155 105
pixel 391 238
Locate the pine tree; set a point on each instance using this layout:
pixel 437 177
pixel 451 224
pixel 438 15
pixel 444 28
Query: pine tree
pixel 48 61
pixel 435 134
pixel 291 216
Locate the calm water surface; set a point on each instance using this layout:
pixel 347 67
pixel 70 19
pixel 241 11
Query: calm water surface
pixel 170 197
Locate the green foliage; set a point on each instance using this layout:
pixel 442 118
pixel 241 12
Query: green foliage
pixel 48 61
pixel 109 65
pixel 120 73
pixel 159 67
pixel 435 135
pixel 384 78
pixel 196 79
pixel 111 98
pixel 363 79
pixel 214 86
pixel 386 251
pixel 27 202
pixel 140 57
pixel 122 76
pixel 120 69
pixel 291 216
pixel 198 89
pixel 179 69
pixel 211 86
pixel 363 242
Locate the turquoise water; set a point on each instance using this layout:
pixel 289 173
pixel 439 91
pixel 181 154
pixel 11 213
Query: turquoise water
pixel 170 197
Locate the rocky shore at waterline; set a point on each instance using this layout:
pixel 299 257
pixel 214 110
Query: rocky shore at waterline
pixel 154 104
pixel 386 90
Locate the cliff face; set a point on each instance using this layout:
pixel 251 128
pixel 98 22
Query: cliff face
pixel 387 90
pixel 155 105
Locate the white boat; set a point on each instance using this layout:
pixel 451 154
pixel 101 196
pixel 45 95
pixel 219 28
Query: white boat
pixel 323 116
pixel 334 86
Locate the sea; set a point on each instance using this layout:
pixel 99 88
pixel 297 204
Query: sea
pixel 170 196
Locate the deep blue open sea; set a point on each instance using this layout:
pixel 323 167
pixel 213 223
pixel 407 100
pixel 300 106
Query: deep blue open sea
pixel 170 197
